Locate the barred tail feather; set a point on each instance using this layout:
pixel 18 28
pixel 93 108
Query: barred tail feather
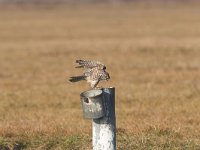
pixel 76 78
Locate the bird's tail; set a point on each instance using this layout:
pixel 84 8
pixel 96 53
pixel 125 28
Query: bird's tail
pixel 76 78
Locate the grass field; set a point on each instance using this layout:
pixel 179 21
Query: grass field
pixel 152 54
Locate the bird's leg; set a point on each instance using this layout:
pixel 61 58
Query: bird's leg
pixel 95 86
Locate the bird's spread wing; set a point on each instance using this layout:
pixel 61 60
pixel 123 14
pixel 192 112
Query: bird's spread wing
pixel 90 64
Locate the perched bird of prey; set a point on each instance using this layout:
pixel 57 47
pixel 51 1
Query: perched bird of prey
pixel 95 71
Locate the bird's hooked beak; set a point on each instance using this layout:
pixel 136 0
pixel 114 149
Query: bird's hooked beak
pixel 108 77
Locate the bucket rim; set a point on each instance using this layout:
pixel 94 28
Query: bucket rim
pixel 91 93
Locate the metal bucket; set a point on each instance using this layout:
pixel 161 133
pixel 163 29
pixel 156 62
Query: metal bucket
pixel 92 104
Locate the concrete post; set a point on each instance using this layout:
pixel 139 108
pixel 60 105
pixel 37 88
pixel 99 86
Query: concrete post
pixel 104 129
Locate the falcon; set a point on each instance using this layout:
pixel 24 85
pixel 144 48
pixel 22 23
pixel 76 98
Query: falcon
pixel 94 72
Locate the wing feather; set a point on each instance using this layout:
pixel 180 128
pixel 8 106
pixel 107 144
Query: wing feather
pixel 88 64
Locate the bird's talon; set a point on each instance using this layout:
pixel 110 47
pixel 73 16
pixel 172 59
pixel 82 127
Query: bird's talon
pixel 98 88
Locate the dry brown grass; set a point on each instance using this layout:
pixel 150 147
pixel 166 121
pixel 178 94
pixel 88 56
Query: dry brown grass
pixel 152 54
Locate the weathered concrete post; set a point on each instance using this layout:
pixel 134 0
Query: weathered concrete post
pixel 104 129
pixel 99 105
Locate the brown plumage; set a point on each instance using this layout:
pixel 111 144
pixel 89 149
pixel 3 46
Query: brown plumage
pixel 95 71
